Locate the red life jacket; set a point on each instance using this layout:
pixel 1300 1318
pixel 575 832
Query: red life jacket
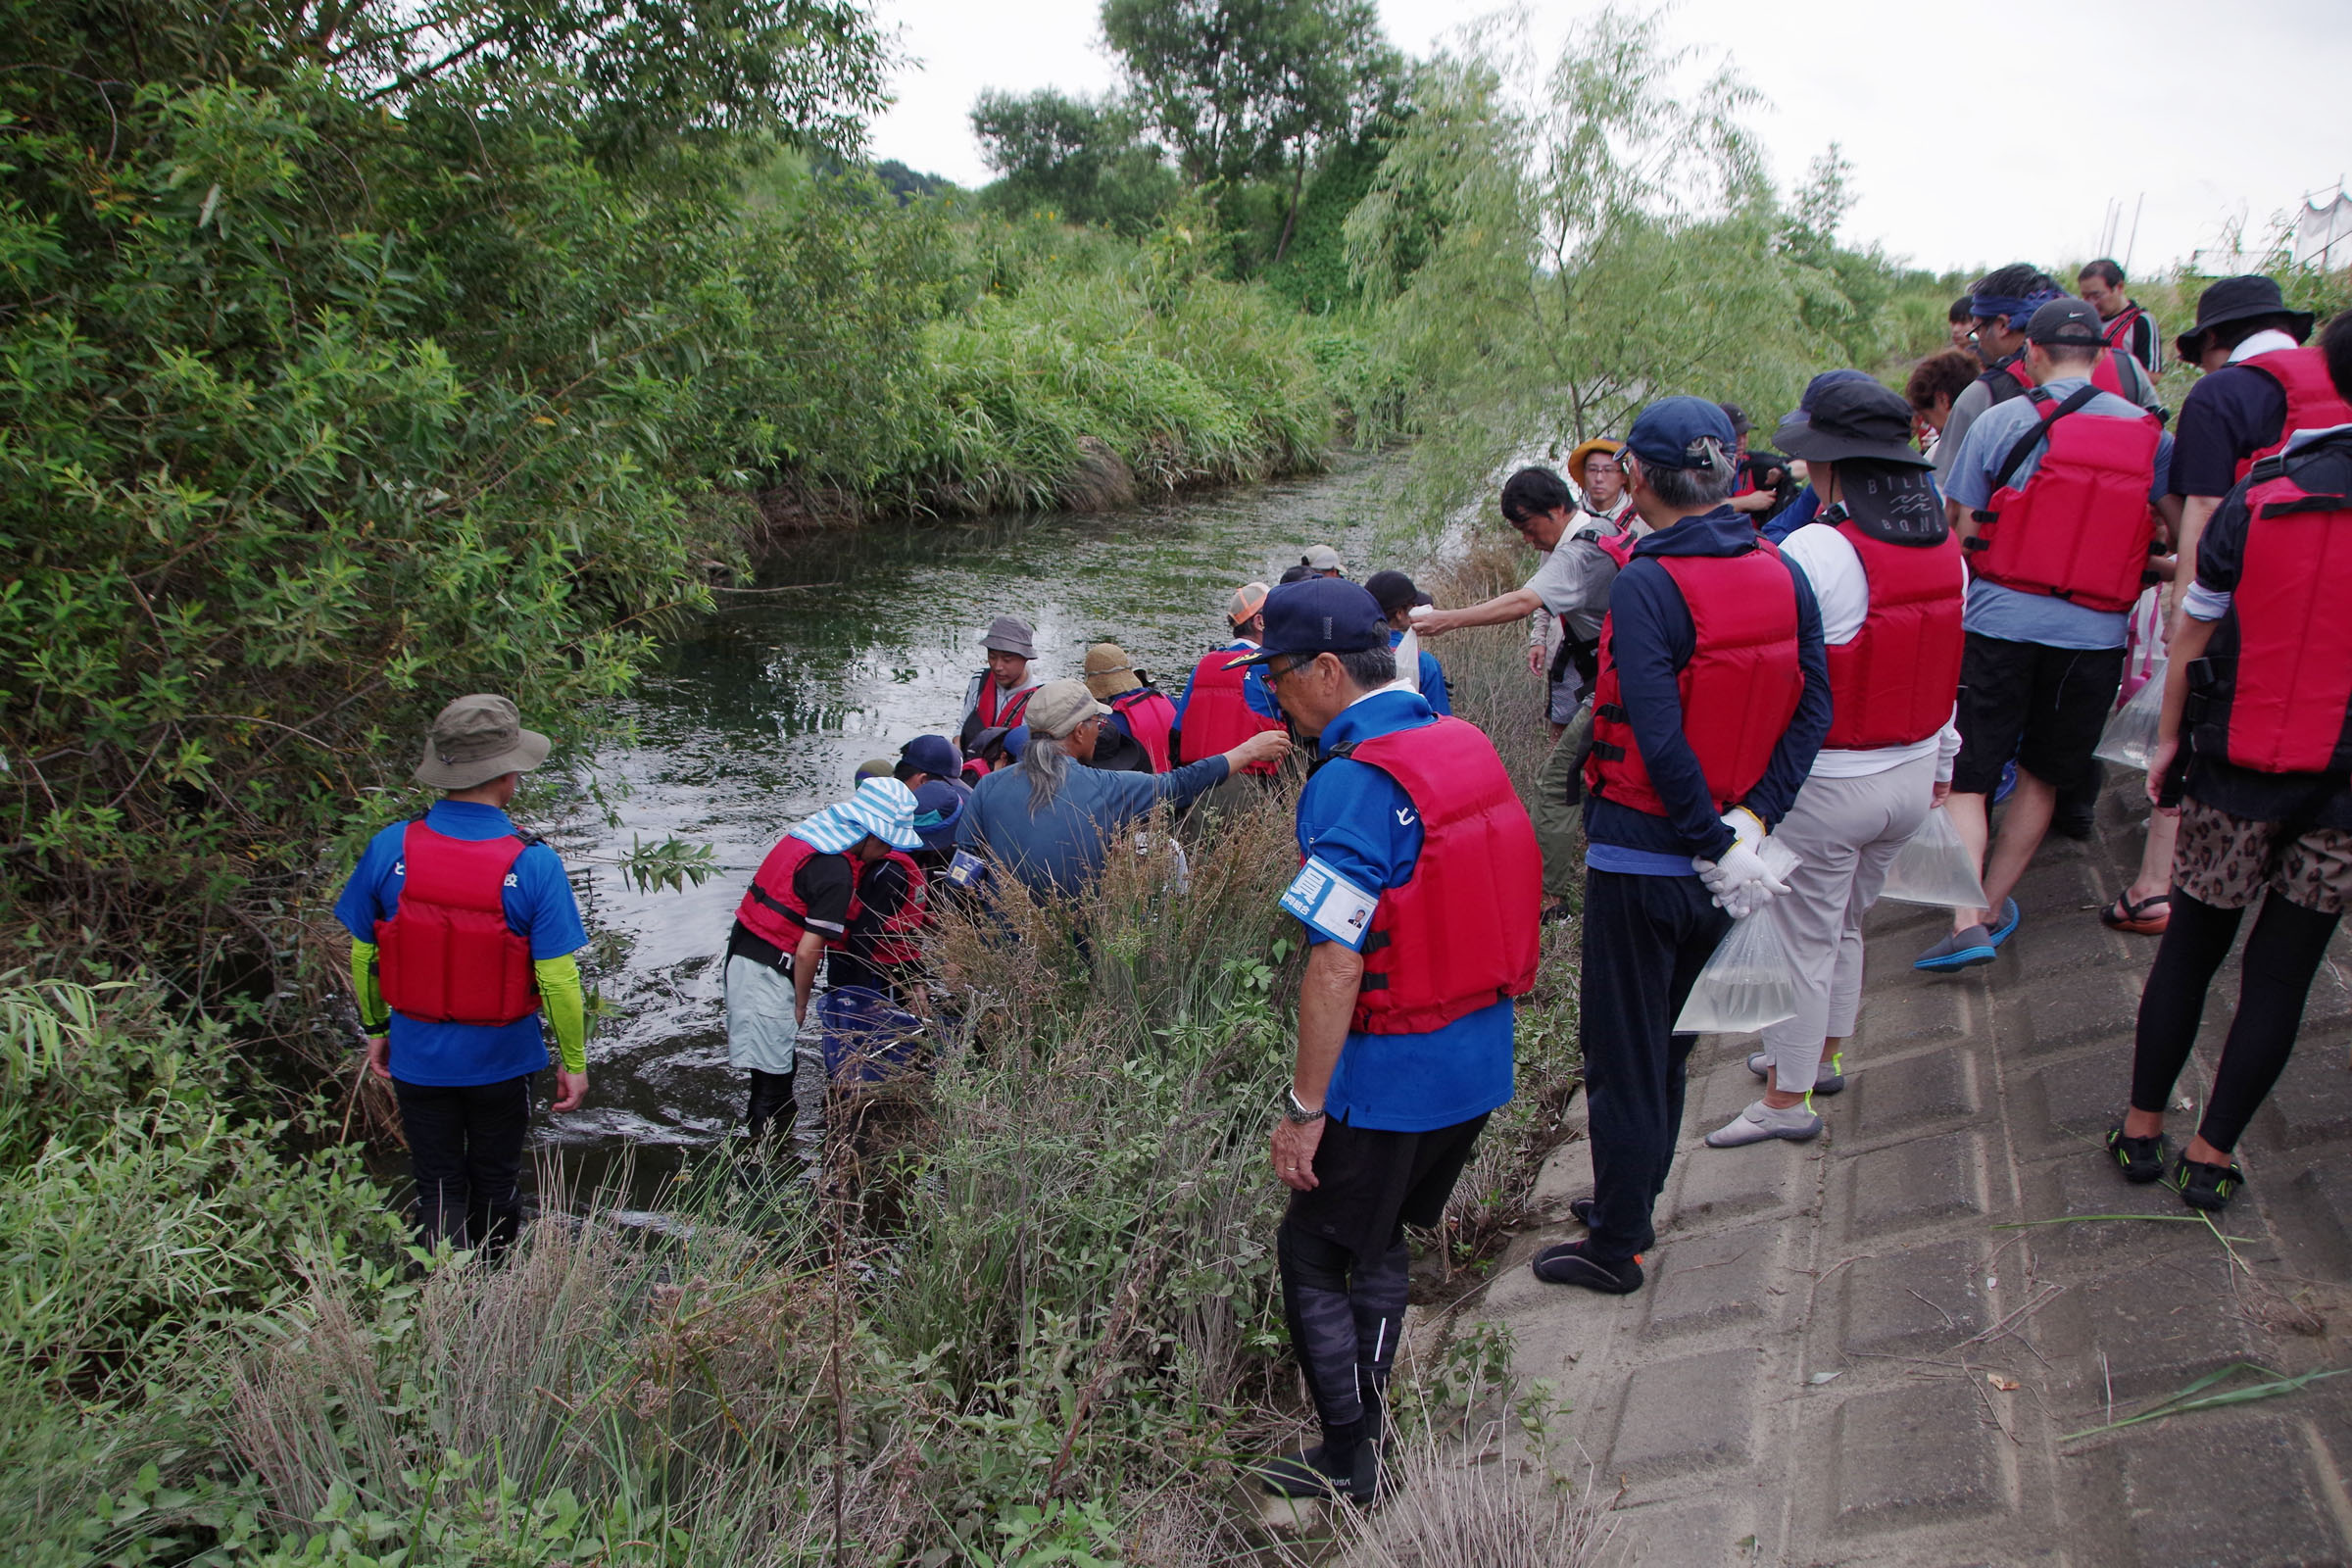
pixel 1217 717
pixel 1015 706
pixel 2011 380
pixel 1894 683
pixel 1739 691
pixel 2312 401
pixel 895 943
pixel 447 955
pixel 2119 330
pixel 776 914
pixel 2080 528
pixel 1461 933
pixel 2281 701
pixel 1150 718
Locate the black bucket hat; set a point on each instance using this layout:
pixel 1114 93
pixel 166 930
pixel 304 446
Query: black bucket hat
pixel 2235 299
pixel 1850 421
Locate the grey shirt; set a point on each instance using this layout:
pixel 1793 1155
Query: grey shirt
pixel 1574 580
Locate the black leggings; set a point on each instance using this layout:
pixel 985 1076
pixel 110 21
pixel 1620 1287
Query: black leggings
pixel 2283 954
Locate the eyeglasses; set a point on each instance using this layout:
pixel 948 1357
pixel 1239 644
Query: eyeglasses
pixel 1275 673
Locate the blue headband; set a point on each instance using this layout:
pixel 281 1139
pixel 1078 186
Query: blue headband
pixel 2019 310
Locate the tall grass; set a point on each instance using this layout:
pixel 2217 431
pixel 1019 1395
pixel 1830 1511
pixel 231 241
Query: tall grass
pixel 1030 1316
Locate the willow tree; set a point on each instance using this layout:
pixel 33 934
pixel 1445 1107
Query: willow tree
pixel 1549 253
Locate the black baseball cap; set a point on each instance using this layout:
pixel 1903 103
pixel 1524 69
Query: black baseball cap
pixel 2066 324
pixel 1320 615
pixel 1393 591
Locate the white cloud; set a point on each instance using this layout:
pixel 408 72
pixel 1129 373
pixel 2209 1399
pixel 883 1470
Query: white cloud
pixel 2196 115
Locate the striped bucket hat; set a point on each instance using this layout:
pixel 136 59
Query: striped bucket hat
pixel 882 807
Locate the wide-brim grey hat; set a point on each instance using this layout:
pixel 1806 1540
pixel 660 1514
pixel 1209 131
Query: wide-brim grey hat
pixel 1011 634
pixel 474 740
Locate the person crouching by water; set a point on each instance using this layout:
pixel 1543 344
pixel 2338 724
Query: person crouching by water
pixel 999 695
pixel 1420 896
pixel 801 902
pixel 1049 822
pixel 1140 713
pixel 465 929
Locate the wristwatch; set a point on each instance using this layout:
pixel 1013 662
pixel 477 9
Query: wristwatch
pixel 1297 1114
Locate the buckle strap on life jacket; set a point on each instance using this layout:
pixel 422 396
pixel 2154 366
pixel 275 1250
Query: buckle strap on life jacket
pixel 2041 432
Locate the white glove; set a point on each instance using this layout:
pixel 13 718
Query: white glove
pixel 1741 883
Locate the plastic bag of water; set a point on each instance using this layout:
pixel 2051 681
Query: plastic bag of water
pixel 1935 868
pixel 1745 985
pixel 2131 732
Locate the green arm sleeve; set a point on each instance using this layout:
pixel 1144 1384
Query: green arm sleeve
pixel 566 1008
pixel 374 1017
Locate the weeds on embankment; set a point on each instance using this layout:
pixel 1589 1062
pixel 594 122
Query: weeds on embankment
pixel 1030 1317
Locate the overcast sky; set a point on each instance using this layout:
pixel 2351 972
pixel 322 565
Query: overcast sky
pixel 2138 104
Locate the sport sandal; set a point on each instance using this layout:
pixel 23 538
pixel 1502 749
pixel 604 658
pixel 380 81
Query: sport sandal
pixel 2141 1159
pixel 2206 1187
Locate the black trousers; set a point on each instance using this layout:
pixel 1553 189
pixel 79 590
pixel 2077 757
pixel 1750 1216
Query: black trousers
pixel 1646 939
pixel 1344 1262
pixel 465 1146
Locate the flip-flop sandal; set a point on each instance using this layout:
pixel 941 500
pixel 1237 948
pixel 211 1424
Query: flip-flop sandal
pixel 2125 915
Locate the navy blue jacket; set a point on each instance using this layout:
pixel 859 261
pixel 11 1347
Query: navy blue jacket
pixel 1650 639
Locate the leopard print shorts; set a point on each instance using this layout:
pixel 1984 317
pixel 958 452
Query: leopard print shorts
pixel 2228 861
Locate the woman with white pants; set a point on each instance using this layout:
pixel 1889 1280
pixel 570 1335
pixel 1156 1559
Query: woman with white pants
pixel 1884 565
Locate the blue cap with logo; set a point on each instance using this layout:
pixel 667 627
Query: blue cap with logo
pixel 1668 433
pixel 1320 615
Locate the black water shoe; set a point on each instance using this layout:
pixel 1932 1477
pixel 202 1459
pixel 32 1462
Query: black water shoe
pixel 2206 1187
pixel 1569 1263
pixel 1327 1471
pixel 2141 1159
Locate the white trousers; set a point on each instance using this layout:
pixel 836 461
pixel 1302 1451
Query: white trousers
pixel 1845 832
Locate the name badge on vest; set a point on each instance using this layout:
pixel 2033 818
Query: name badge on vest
pixel 968 871
pixel 1328 902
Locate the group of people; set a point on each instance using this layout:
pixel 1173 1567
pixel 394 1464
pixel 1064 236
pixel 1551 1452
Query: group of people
pixel 1762 671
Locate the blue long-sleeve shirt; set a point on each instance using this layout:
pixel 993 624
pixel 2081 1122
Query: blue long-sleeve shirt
pixel 1430 677
pixel 1650 639
pixel 1061 849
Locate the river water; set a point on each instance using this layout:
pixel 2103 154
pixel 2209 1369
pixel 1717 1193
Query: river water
pixel 761 714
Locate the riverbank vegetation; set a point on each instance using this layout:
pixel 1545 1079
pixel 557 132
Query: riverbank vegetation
pixel 353 358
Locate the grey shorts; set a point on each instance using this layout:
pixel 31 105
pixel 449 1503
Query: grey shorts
pixel 1566 696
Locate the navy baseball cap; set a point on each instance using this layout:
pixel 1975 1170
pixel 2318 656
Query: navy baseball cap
pixel 932 754
pixel 1320 615
pixel 1667 433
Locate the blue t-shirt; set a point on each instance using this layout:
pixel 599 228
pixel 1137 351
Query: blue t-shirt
pixel 1429 675
pixel 539 906
pixel 1993 610
pixel 1360 824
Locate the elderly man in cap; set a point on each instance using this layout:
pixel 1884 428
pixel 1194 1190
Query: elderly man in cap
pixel 1712 699
pixel 1418 897
pixel 801 902
pixel 1048 818
pixel 1885 567
pixel 2054 491
pixel 1140 714
pixel 461 933
pixel 1393 592
pixel 999 695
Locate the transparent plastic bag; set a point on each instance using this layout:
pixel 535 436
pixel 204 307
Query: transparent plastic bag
pixel 1935 868
pixel 1745 985
pixel 2131 732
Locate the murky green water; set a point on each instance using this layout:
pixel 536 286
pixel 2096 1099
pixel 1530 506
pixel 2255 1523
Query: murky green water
pixel 761 714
